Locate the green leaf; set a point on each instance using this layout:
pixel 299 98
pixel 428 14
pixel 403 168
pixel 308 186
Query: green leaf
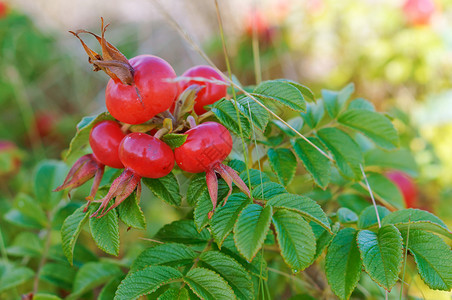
pixel 70 231
pixel 146 281
pixel 315 163
pixel 360 103
pixel 17 218
pixel 30 208
pixel 346 215
pixel 13 276
pixel 45 296
pixel 368 217
pixel 267 190
pixel 207 284
pixel 433 258
pixel 304 90
pixel 323 237
pixel 314 114
pixel 258 267
pixel 345 151
pixel 25 244
pixel 105 231
pixel 282 92
pixel 165 188
pixel 417 219
pixel 182 231
pixel 236 275
pixel 175 294
pixel 202 209
pixel 343 263
pixel 226 113
pixel 256 114
pixel 303 205
pixel 237 165
pixel 335 101
pixel 251 229
pixel 256 177
pixel 174 255
pixel 354 202
pixel 223 220
pixel 109 289
pixel 374 125
pixel 92 275
pixel 81 138
pixel 196 188
pixel 400 159
pixel 384 188
pixel 296 123
pixel 283 163
pixel 131 214
pixel 174 140
pixel 295 238
pixel 382 254
pixel 60 274
pixel 48 176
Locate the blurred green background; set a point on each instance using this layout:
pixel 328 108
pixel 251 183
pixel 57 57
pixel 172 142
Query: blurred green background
pixel 398 53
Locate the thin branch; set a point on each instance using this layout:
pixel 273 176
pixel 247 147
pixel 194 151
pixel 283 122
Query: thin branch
pixel 371 196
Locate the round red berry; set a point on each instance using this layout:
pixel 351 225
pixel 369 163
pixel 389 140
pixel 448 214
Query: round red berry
pixel 211 92
pixel 146 155
pixel 206 144
pixel 153 91
pixel 104 140
pixel 406 185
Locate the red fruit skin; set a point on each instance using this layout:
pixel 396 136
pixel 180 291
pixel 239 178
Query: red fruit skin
pixel 406 185
pixel 45 123
pixel 104 139
pixel 211 93
pixel 419 12
pixel 151 75
pixel 206 144
pixel 146 155
pixel 3 9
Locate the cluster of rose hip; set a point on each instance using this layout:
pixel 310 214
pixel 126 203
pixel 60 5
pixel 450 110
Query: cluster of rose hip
pixel 144 90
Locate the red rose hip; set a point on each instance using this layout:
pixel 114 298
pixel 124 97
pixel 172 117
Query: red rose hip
pixel 406 185
pixel 211 92
pixel 146 155
pixel 104 140
pixel 206 145
pixel 153 91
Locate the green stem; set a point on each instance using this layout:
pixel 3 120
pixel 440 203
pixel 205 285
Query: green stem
pixel 3 247
pixel 228 66
pixel 48 238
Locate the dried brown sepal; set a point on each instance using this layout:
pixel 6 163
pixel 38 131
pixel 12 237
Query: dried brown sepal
pixel 121 188
pixel 112 61
pixel 229 175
